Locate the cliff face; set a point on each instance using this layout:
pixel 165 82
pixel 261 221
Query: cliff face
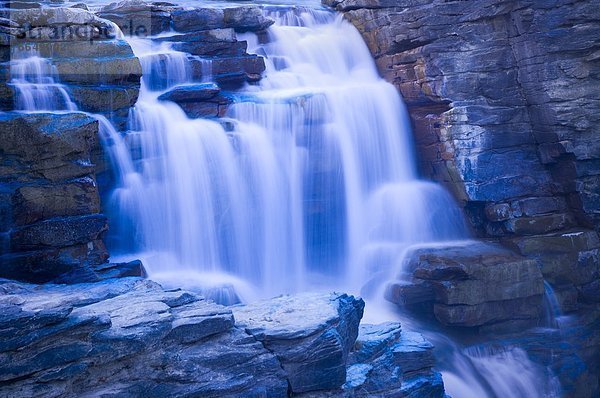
pixel 505 109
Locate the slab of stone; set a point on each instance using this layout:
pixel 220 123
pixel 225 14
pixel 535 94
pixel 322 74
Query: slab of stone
pixel 471 284
pixel 311 335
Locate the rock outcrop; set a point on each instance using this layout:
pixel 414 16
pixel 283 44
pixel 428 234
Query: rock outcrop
pixel 504 105
pixel 474 285
pixel 51 222
pixel 130 337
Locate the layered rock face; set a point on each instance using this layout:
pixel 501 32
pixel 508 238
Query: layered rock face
pixel 474 285
pixel 147 341
pixel 504 106
pixel 98 69
pixel 51 222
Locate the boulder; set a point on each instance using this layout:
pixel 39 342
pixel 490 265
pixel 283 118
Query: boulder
pixel 473 284
pixel 311 335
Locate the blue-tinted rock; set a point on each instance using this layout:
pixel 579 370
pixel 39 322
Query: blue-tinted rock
pixel 311 335
pixel 191 93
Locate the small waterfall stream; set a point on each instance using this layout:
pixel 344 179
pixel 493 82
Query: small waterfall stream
pixel 309 183
pixel 34 81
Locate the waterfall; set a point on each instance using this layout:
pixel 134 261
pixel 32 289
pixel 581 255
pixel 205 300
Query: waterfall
pixel 552 311
pixel 310 181
pixel 496 372
pixel 317 170
pixel 36 88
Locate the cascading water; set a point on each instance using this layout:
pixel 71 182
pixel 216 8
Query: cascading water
pixel 315 184
pixel 317 171
pixel 35 85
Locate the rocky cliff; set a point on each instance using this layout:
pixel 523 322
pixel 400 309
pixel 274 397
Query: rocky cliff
pixel 504 108
pixel 504 104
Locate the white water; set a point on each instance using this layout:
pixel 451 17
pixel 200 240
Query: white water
pixel 34 81
pixel 316 177
pixel 496 372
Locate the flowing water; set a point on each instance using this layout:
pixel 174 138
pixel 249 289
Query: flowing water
pixel 310 182
pixel 314 184
pixel 34 81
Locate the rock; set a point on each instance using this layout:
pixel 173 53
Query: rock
pixel 198 19
pixel 121 270
pixel 387 361
pixel 59 232
pixel 473 284
pixel 242 19
pixel 191 93
pixel 51 217
pixel 111 70
pixel 56 16
pixel 502 110
pixel 246 18
pixel 312 348
pixel 200 100
pixel 33 203
pixel 140 23
pixel 107 99
pixel 231 73
pixel 51 146
pixel 130 337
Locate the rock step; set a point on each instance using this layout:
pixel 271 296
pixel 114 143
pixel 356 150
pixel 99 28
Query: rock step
pixel 62 338
pixel 473 284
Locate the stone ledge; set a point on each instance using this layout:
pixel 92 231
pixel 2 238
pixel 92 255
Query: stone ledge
pixel 130 337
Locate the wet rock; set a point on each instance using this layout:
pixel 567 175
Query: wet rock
pixel 191 93
pixel 312 348
pixel 51 218
pixel 137 18
pixel 200 100
pixel 473 284
pixel 113 70
pixel 105 99
pixel 246 18
pixel 59 232
pixel 55 16
pixel 499 94
pixel 387 361
pixel 242 19
pixel 198 19
pixel 51 146
pixel 154 342
pixel 33 203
